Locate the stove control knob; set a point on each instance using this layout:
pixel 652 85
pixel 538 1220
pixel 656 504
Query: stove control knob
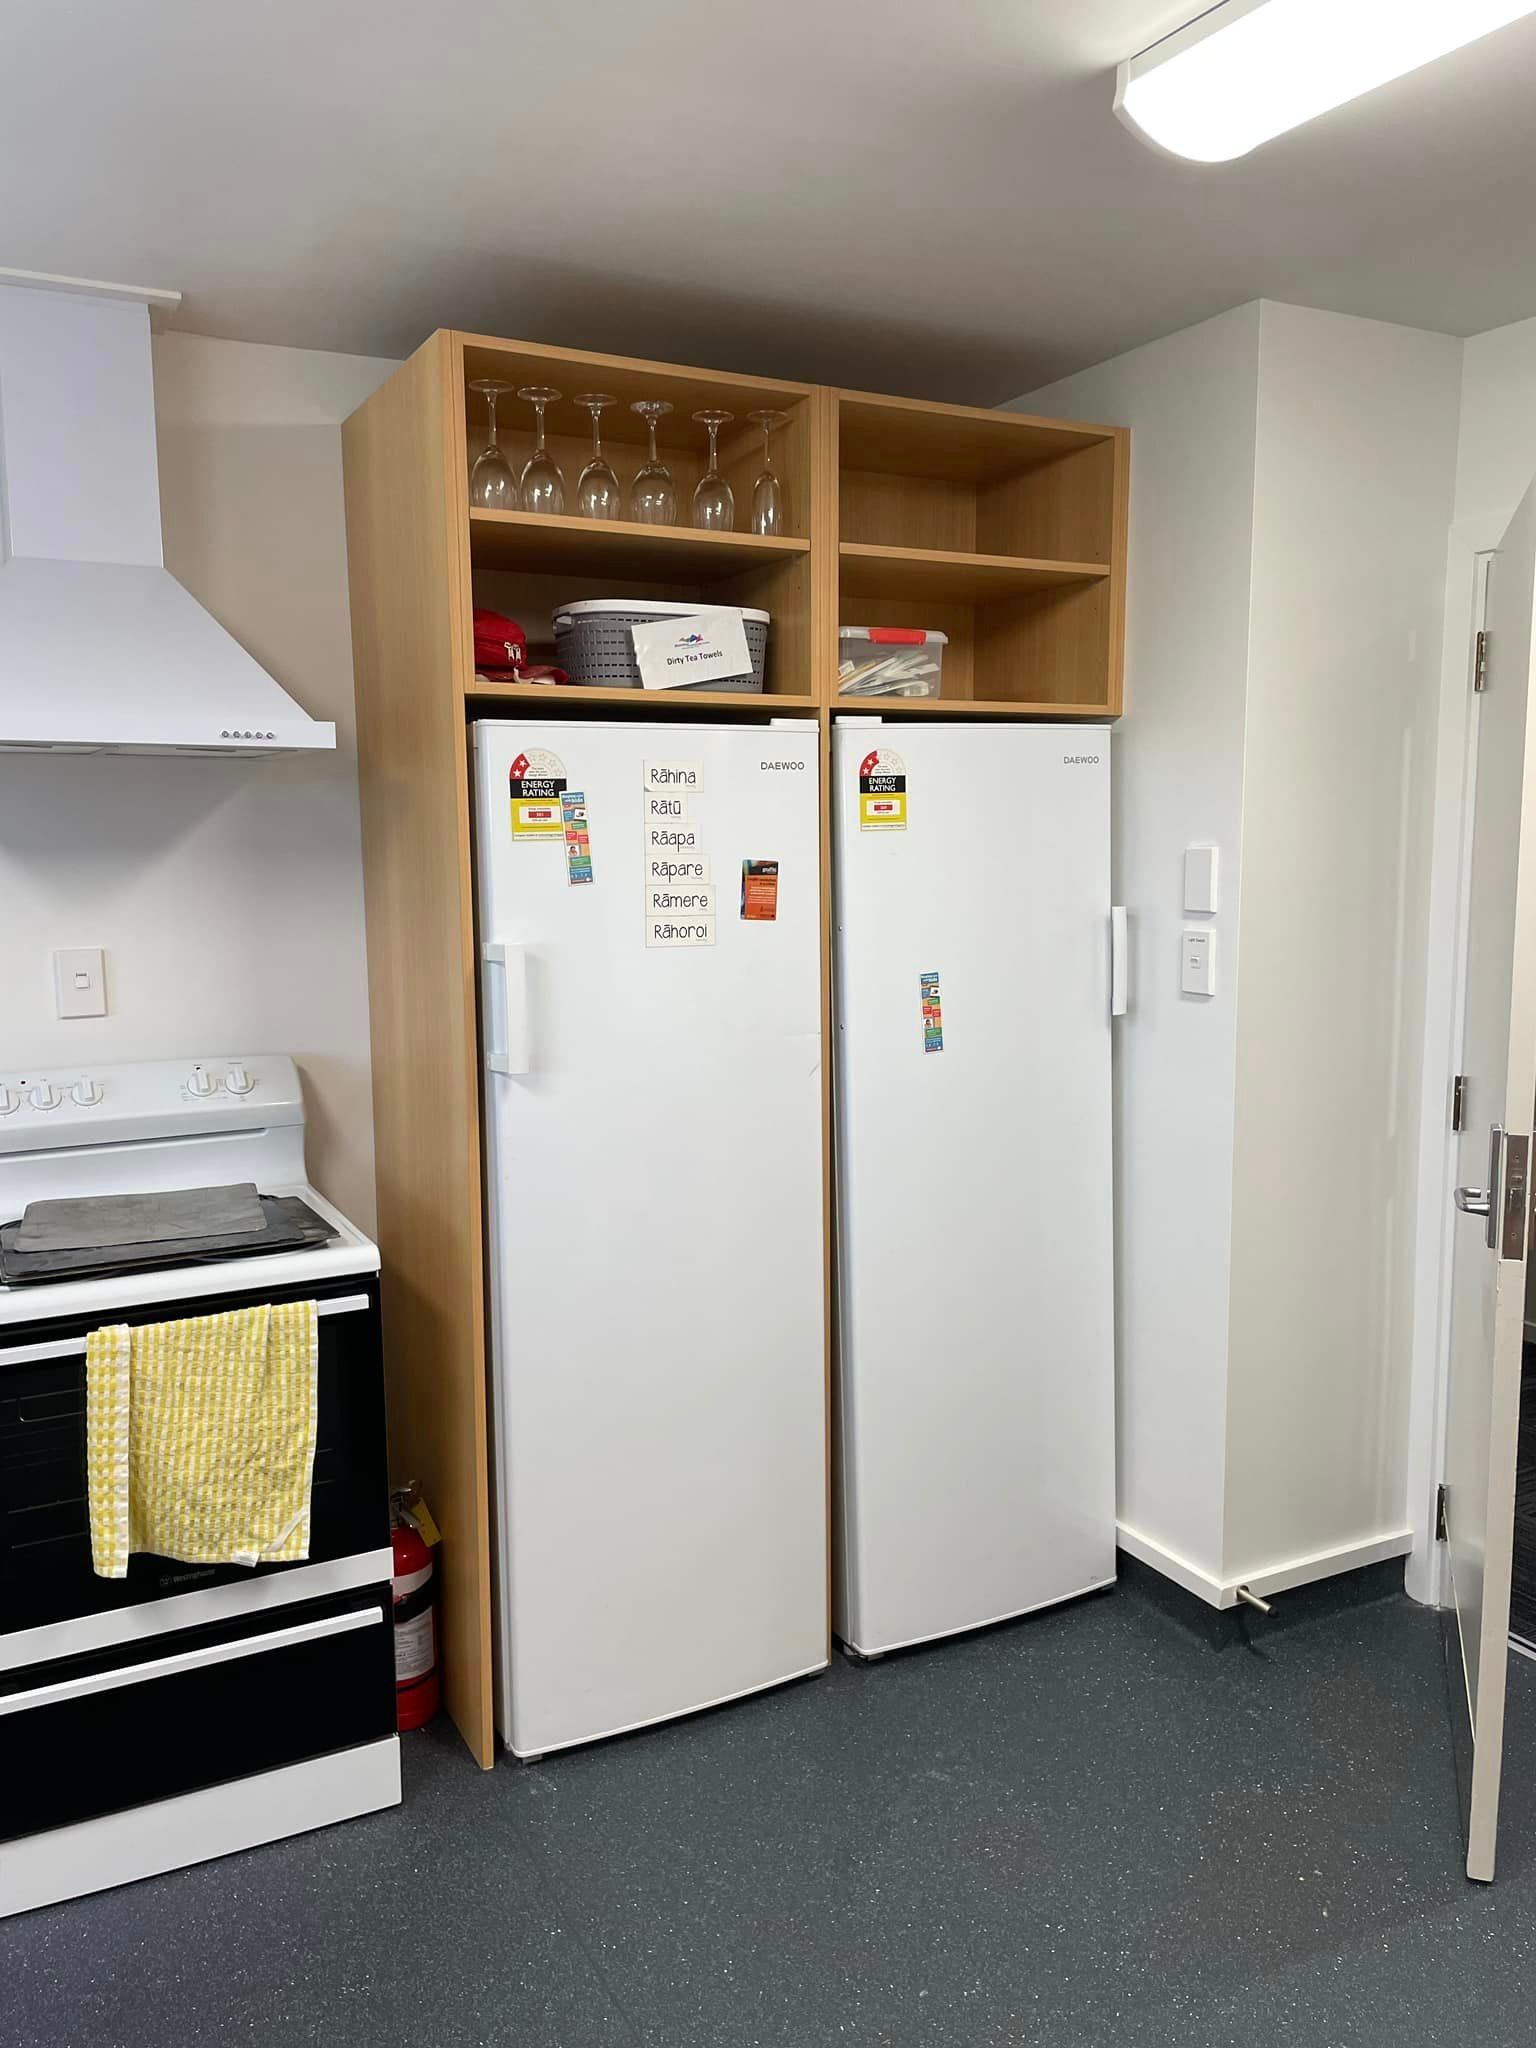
pixel 238 1080
pixel 200 1082
pixel 9 1100
pixel 86 1092
pixel 46 1096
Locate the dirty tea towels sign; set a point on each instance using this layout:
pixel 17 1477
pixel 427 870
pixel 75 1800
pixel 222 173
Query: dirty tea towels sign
pixel 709 647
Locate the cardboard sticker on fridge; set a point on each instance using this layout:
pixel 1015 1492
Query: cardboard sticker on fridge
pixel 578 837
pixel 668 901
pixel 933 1012
pixel 670 839
pixel 760 891
pixel 536 785
pixel 682 869
pixel 667 930
pixel 665 807
pixel 882 792
pixel 683 775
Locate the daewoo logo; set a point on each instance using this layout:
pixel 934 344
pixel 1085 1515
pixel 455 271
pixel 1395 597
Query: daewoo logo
pixel 1080 760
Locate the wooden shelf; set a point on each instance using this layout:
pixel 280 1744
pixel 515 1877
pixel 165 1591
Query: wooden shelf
pixel 570 699
pixel 951 577
pixel 952 444
pixel 961 707
pixel 539 542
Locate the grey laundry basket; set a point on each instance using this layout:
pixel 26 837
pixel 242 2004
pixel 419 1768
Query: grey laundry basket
pixel 593 644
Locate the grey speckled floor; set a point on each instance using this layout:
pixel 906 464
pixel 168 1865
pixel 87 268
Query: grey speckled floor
pixel 1097 1826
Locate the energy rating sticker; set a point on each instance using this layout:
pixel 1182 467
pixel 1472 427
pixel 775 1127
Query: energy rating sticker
pixel 933 1013
pixel 537 784
pixel 760 891
pixel 578 840
pixel 882 792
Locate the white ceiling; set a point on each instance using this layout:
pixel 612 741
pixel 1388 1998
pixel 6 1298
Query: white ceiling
pixel 890 193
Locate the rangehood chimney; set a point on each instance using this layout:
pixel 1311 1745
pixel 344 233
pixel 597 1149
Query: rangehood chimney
pixel 101 650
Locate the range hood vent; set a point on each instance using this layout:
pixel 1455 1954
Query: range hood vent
pixel 101 649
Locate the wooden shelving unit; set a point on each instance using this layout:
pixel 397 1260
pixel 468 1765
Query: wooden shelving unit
pixel 1007 533
pixel 1003 531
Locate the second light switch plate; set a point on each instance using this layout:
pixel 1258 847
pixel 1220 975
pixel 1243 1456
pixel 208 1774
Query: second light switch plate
pixel 1198 963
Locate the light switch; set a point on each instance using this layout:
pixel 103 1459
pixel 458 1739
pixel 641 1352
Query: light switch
pixel 79 982
pixel 1198 975
pixel 1200 880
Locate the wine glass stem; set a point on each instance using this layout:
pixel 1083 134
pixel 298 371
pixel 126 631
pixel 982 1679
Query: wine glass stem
pixel 652 425
pixel 767 447
pixel 490 406
pixel 714 440
pixel 538 406
pixel 597 433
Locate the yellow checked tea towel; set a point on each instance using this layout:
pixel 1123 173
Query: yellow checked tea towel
pixel 200 1437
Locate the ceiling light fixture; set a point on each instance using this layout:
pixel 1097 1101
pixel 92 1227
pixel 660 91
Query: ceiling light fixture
pixel 1250 69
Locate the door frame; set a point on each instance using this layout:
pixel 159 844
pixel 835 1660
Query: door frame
pixel 1472 546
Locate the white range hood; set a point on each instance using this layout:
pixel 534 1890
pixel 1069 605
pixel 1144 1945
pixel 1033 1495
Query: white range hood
pixel 101 649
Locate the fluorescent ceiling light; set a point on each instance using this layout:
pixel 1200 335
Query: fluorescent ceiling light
pixel 1251 69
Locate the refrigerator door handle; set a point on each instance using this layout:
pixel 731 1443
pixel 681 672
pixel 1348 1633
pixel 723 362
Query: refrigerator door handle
pixel 1119 962
pixel 504 992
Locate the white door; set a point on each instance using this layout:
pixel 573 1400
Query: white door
pixel 652 1042
pixel 1493 1175
pixel 975 1216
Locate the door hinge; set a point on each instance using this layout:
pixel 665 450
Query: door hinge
pixel 1459 1103
pixel 1441 1531
pixel 1480 662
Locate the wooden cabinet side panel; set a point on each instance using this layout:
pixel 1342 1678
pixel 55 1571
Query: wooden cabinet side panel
pixel 408 574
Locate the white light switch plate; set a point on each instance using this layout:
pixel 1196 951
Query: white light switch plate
pixel 1200 880
pixel 1198 958
pixel 80 982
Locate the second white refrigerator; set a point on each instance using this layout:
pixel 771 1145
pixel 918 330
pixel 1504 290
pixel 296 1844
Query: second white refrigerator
pixel 972 960
pixel 650 933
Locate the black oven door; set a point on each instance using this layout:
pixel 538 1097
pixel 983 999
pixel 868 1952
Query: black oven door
pixel 46 1576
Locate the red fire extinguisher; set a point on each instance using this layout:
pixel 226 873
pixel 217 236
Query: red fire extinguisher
pixel 416 1687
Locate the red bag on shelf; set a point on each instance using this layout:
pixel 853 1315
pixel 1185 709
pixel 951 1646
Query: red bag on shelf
pixel 501 652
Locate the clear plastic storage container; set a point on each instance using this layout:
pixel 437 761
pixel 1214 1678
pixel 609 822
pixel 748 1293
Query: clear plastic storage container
pixel 889 661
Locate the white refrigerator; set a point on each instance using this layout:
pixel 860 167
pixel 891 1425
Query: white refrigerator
pixel 651 1040
pixel 973 991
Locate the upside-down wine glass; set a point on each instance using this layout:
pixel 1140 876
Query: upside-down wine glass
pixel 769 511
pixel 714 502
pixel 599 494
pixel 491 482
pixel 542 488
pixel 652 500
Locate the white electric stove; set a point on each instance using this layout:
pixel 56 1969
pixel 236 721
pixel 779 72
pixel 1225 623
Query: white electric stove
pixel 186 1710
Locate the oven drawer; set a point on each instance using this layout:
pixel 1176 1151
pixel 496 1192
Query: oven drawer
pixel 46 1574
pixel 96 1735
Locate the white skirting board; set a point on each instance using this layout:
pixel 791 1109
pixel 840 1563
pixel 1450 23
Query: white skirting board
pixel 94 1855
pixel 1277 1578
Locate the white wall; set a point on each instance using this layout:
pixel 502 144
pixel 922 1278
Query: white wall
pixel 1496 457
pixel 1292 479
pixel 1357 425
pixel 1191 404
pixel 228 894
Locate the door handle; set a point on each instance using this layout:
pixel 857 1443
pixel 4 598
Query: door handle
pixel 1482 1201
pixel 504 980
pixel 1119 963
